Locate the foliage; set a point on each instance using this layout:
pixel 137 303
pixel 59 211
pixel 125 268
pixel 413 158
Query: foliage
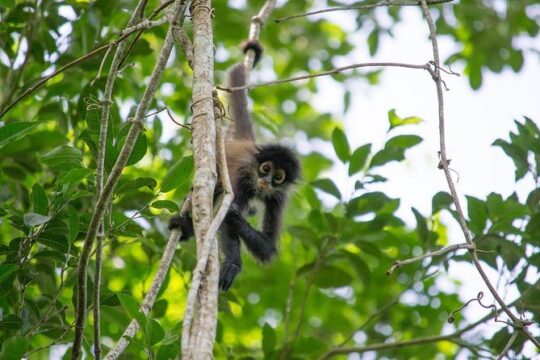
pixel 329 286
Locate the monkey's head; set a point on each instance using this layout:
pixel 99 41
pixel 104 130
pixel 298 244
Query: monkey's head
pixel 277 168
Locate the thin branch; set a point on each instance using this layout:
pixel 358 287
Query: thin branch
pixel 101 205
pixel 508 345
pixel 361 7
pixel 151 296
pixel 325 73
pixel 100 171
pixel 144 25
pixel 436 75
pixel 399 263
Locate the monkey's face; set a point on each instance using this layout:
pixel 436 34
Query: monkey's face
pixel 269 177
pixel 277 168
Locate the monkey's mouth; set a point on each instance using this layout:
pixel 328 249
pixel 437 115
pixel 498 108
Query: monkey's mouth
pixel 263 185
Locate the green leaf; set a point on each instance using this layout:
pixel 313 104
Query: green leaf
pixel 14 348
pixel 478 216
pixel 371 202
pixel 33 219
pixel 403 141
pixel 6 270
pixel 11 322
pixel 359 158
pixel 328 187
pixel 373 41
pixel 50 255
pixel 168 352
pixel 421 227
pixel 12 132
pixel 518 156
pixel 63 158
pixel 73 177
pixel 131 306
pixel 341 145
pixel 55 241
pixel 179 174
pixel 165 204
pixel 73 222
pixel 269 339
pixel 154 332
pixel 441 200
pixel 137 184
pixel 40 203
pixel 332 277
pixel 387 155
pixel 360 266
pixel 396 121
pixel 139 149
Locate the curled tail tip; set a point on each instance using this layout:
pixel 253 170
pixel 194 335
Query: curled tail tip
pixel 256 47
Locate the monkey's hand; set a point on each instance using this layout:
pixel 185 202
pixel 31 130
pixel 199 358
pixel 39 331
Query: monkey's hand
pixel 227 274
pixel 184 223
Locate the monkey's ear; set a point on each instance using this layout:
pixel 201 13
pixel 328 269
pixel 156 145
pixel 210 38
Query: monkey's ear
pixel 256 47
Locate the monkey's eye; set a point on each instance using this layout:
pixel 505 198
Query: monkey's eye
pixel 265 167
pixel 279 177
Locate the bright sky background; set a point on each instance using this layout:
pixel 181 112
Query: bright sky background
pixel 474 119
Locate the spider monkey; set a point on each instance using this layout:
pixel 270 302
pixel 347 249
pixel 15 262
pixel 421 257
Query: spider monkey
pixel 257 172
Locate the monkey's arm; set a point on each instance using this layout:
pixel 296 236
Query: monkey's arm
pixel 262 244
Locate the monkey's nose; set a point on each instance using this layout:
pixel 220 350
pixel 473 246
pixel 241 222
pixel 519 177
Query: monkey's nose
pixel 262 184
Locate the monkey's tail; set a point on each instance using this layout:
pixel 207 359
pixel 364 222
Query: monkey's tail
pixel 243 127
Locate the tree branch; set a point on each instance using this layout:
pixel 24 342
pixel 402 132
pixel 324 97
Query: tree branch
pixel 136 126
pixel 257 22
pixel 325 73
pixel 361 7
pixel 151 296
pixel 200 318
pixel 399 263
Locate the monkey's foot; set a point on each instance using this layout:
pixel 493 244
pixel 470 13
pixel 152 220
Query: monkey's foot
pixel 227 275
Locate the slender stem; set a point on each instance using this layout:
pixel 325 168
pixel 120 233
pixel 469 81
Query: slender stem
pixel 399 263
pixel 361 7
pixel 151 296
pixel 508 345
pixel 325 73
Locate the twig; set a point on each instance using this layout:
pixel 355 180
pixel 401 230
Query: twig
pixel 360 7
pixel 399 263
pixel 151 296
pixel 435 73
pixel 324 73
pixel 116 171
pixel 508 345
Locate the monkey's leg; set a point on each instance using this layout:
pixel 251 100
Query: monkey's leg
pixel 232 262
pixel 184 223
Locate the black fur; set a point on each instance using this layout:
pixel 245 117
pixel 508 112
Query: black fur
pixel 256 47
pixel 261 244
